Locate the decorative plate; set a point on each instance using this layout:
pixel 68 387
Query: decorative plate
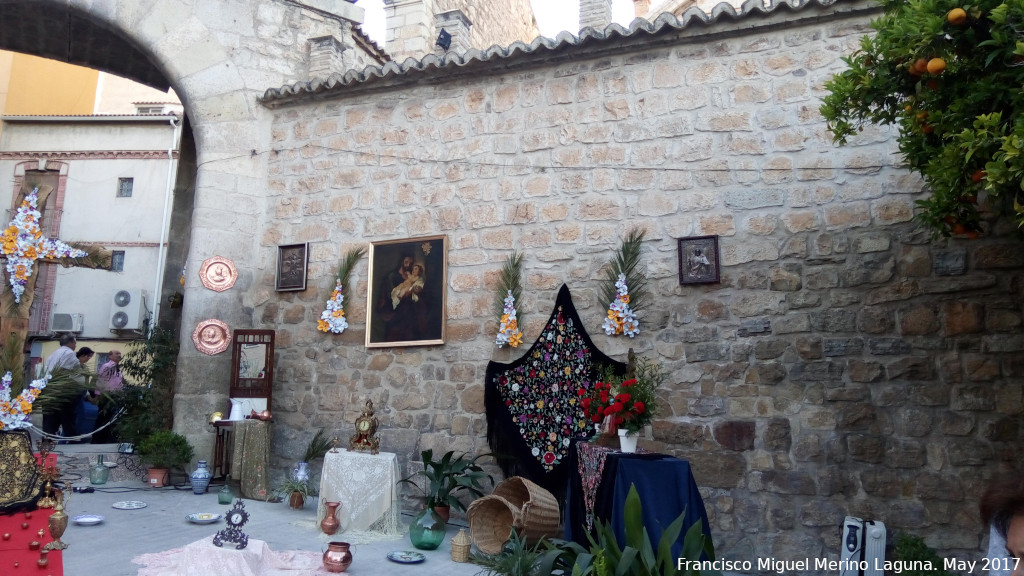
pixel 128 505
pixel 203 518
pixel 110 464
pixel 87 519
pixel 406 557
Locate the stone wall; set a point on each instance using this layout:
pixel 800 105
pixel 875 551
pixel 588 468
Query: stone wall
pixel 844 365
pixel 500 23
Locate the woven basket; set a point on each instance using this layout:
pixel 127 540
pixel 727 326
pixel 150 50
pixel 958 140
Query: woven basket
pixel 538 509
pixel 491 520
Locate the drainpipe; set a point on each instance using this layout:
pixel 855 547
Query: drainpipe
pixel 165 225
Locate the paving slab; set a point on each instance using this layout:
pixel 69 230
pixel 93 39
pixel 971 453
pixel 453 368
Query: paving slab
pixel 108 548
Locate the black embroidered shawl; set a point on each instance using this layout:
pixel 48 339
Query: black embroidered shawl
pixel 533 406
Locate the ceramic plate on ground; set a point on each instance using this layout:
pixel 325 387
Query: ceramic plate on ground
pixel 406 557
pixel 87 519
pixel 110 464
pixel 203 518
pixel 128 505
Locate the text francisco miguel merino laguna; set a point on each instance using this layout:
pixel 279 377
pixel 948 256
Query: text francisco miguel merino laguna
pixel 826 564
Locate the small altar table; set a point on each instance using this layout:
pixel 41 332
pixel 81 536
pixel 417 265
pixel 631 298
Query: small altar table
pixel 366 485
pixel 665 485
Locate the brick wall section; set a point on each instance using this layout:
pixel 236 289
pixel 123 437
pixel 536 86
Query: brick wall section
pixel 844 365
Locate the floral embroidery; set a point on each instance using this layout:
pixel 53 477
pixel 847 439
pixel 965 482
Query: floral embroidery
pixel 541 393
pixel 23 243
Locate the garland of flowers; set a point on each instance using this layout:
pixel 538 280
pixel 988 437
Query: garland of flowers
pixel 509 290
pixel 508 331
pixel 333 317
pixel 14 413
pixel 621 319
pixel 23 243
pixel 625 286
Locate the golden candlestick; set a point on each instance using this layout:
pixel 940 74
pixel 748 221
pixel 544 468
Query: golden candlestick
pixel 59 522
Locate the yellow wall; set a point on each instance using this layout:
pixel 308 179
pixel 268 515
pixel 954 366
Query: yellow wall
pixel 41 86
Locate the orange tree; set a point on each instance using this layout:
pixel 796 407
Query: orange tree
pixel 951 76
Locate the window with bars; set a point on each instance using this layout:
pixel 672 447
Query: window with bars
pixel 124 187
pixel 117 261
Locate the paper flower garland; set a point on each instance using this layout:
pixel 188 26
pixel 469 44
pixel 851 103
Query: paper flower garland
pixel 333 318
pixel 621 319
pixel 14 413
pixel 23 243
pixel 508 332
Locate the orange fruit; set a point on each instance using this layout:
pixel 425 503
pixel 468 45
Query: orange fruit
pixel 957 17
pixel 933 84
pixel 927 129
pixel 922 115
pixel 936 66
pixel 978 175
pixel 959 228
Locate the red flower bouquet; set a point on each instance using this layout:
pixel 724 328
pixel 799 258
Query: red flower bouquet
pixel 630 403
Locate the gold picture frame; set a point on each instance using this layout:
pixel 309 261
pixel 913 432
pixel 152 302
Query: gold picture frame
pixel 407 299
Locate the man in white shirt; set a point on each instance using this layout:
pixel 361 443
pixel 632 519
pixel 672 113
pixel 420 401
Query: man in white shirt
pixel 62 416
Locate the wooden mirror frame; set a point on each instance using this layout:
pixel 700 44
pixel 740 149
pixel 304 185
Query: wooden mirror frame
pixel 252 387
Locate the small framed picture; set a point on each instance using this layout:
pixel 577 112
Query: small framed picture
pixel 698 260
pixel 407 299
pixel 291 267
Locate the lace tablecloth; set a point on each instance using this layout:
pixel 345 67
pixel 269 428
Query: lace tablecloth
pixel 366 486
pixel 202 558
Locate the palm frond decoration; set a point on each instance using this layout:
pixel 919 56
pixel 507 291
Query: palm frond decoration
pixel 349 262
pixel 627 261
pixel 65 387
pixel 511 280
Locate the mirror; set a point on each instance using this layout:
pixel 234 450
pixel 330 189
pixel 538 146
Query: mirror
pixel 252 374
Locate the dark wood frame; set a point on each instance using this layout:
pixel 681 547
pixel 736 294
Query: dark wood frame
pixel 385 256
pixel 686 250
pixel 252 387
pixel 285 251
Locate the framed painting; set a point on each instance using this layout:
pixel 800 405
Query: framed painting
pixel 292 260
pixel 698 260
pixel 407 298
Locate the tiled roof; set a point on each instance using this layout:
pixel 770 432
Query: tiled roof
pixel 518 53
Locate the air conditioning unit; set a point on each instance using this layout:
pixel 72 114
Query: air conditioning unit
pixel 128 309
pixel 67 322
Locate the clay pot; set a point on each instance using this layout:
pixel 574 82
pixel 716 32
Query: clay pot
pixel 330 523
pixel 337 558
pixel 443 511
pixel 296 500
pixel 157 477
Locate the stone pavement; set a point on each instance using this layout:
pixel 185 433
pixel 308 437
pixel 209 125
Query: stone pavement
pixel 108 548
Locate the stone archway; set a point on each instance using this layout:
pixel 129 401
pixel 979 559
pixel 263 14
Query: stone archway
pixel 218 56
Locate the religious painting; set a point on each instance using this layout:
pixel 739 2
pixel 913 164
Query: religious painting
pixel 291 267
pixel 698 260
pixel 406 302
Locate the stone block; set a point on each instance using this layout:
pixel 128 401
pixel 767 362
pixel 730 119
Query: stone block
pixel 769 349
pixel 998 256
pixel 911 368
pixel 864 371
pixel 754 327
pixel 778 434
pixel 963 318
pixel 866 448
pixel 735 435
pixel 809 348
pixel 919 321
pixel 770 373
pixel 717 469
pixel 888 346
pixel 834 320
pixel 950 262
pixel 842 346
pixel 681 434
pixel 785 482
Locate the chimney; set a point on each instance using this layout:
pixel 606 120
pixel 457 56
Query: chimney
pixel 326 56
pixel 410 28
pixel 456 24
pixel 641 8
pixel 595 14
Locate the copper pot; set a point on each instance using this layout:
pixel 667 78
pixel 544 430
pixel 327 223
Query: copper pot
pixel 330 523
pixel 337 558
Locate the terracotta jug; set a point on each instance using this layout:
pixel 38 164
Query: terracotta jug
pixel 337 558
pixel 330 523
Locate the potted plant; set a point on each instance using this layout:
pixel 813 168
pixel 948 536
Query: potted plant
pixel 296 490
pixel 163 450
pixel 445 479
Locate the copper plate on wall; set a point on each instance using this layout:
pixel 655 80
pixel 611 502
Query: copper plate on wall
pixel 211 337
pixel 218 273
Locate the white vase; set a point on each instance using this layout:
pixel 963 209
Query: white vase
pixel 627 441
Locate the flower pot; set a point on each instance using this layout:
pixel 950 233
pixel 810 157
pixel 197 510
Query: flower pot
pixel 427 530
pixel 296 501
pixel 443 511
pixel 627 441
pixel 157 477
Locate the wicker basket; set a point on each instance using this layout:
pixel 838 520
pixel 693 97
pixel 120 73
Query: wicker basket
pixel 538 509
pixel 491 520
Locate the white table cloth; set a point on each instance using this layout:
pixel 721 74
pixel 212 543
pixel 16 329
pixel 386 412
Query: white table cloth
pixel 366 486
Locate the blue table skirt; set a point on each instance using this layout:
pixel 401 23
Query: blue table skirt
pixel 666 488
